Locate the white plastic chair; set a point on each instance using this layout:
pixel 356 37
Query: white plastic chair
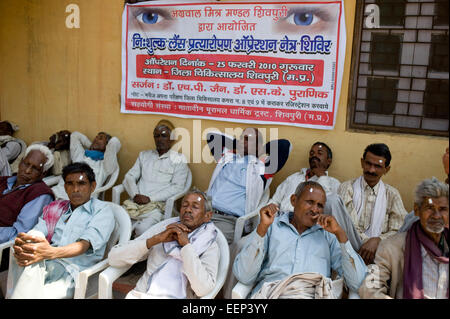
pixel 252 218
pixel 111 274
pixel 86 284
pixel 99 191
pixel 170 202
pixel 241 291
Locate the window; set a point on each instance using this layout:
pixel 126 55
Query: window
pixel 400 78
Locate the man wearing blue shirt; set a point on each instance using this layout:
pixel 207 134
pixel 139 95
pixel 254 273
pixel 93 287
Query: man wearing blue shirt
pixel 305 241
pixel 70 237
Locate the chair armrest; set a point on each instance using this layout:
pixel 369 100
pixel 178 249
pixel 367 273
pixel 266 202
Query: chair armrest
pixel 83 277
pixel 116 191
pixel 5 246
pixel 240 224
pixel 241 291
pixel 106 280
pixel 51 180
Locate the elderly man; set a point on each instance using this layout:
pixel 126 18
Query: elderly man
pixel 282 252
pixel 23 197
pixel 12 149
pixel 375 208
pixel 156 176
pixel 100 154
pixel 241 179
pixel 414 264
pixel 182 253
pixel 69 237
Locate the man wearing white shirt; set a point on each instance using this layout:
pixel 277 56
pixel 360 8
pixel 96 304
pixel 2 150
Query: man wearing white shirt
pixel 375 208
pixel 100 155
pixel 156 176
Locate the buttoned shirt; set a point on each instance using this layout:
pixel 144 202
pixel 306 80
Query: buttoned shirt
pixel 28 216
pixel 395 211
pixel 201 271
pixel 157 177
pixel 283 252
pixel 93 221
pixel 434 276
pixel 282 196
pixel 229 190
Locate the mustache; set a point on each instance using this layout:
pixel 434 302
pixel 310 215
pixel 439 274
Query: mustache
pixel 370 174
pixel 314 158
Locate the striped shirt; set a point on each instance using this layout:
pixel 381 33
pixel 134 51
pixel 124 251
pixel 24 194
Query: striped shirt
pixel 395 212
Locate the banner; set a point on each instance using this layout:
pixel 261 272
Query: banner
pixel 250 62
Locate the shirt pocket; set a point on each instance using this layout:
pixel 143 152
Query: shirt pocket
pixel 165 173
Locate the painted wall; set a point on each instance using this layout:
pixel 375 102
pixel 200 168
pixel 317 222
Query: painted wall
pixel 55 78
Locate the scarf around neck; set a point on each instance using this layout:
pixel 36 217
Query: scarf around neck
pixel 379 209
pixel 95 155
pixel 412 272
pixel 169 280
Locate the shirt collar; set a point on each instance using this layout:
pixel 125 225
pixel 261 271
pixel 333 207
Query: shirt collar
pixel 10 183
pixel 165 155
pixel 374 189
pixel 86 206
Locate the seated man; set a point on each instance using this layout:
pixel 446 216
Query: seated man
pixel 70 237
pixel 414 264
pixel 241 178
pixel 375 208
pixel 182 253
pixel 156 176
pixel 23 197
pixel 101 155
pixel 292 244
pixel 12 149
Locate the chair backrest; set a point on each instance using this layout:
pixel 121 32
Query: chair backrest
pixel 109 182
pixel 224 262
pixel 122 229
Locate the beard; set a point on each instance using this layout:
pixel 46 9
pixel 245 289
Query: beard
pixel 435 228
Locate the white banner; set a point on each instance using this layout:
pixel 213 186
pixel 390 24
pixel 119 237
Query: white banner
pixel 250 62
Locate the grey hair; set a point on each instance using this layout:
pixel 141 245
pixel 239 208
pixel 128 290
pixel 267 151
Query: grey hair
pixel 430 188
pixel 44 150
pixel 208 199
pixel 301 187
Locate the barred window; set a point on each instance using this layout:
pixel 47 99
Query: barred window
pixel 400 69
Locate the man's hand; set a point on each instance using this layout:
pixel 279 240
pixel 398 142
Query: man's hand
pixel 31 249
pixel 175 231
pixel 141 199
pixel 181 232
pixel 368 250
pixel 330 224
pixel 267 215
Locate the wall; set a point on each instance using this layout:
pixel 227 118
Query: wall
pixel 55 78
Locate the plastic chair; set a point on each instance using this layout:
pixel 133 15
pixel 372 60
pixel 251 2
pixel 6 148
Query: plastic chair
pixel 108 276
pixel 170 202
pixel 251 218
pixel 99 191
pixel 86 284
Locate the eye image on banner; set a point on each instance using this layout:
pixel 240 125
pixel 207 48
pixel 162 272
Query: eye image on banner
pixel 249 62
